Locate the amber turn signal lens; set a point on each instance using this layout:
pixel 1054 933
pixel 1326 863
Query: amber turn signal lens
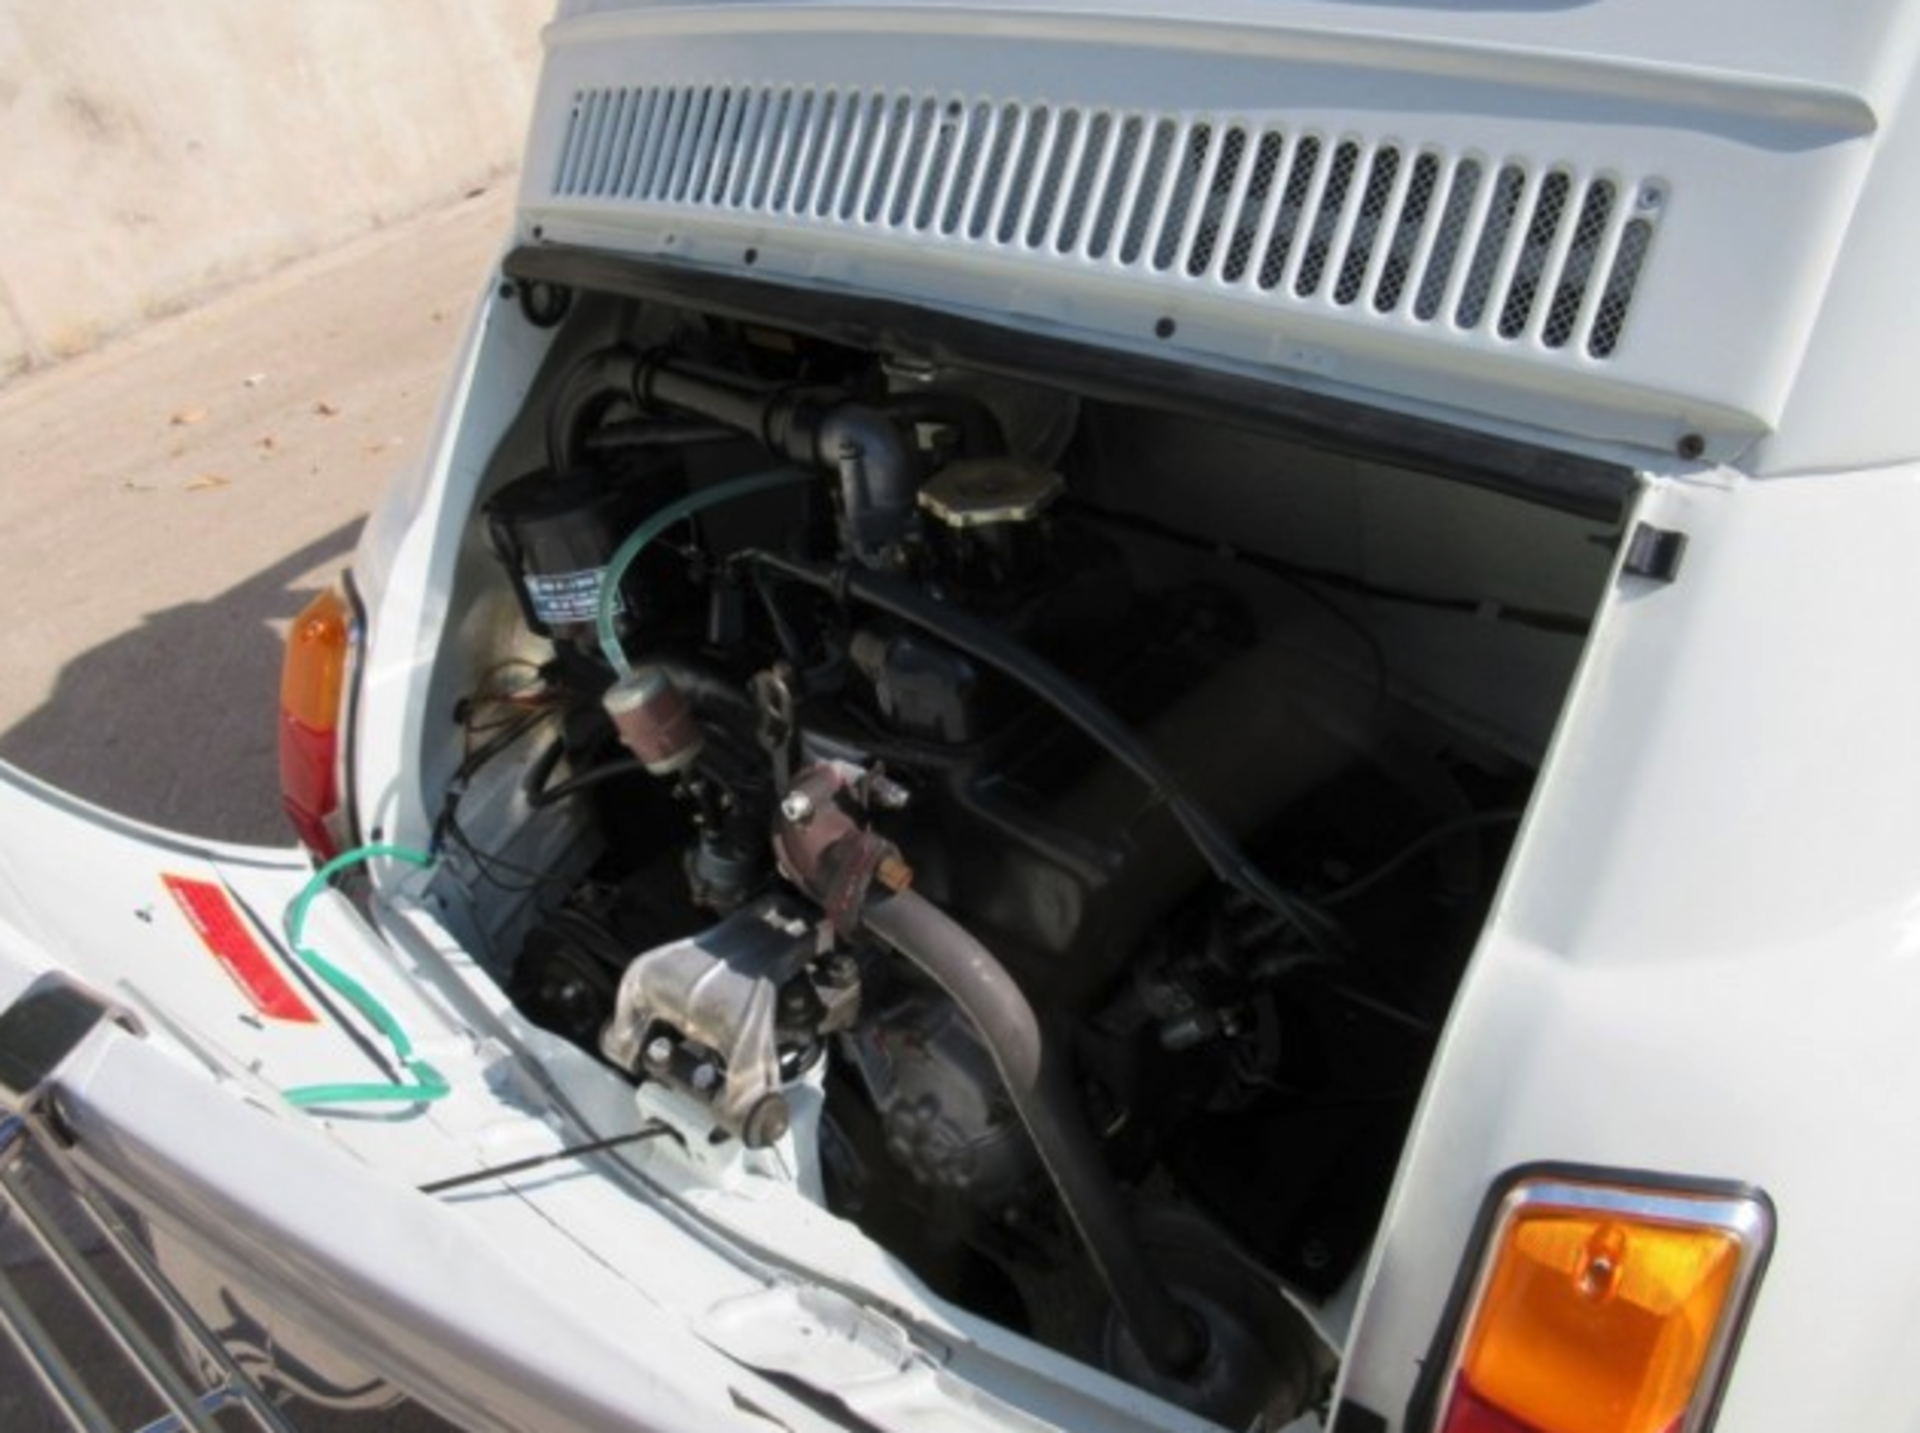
pixel 316 662
pixel 1604 1310
pixel 313 683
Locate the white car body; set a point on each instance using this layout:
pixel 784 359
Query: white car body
pixel 1700 962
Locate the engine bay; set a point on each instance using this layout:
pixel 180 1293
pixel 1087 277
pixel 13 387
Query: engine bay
pixel 1093 802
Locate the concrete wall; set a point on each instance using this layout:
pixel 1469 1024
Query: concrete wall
pixel 153 151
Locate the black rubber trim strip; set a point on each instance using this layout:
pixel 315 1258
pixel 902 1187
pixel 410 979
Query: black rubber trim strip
pixel 1584 487
pixel 316 989
pixel 1351 1417
pixel 349 717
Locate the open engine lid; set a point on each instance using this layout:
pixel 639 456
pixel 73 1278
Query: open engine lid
pixel 1535 214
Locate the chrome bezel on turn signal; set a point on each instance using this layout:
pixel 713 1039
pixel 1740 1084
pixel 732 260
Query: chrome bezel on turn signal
pixel 1742 1213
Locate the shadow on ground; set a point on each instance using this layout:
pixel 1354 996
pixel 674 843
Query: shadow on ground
pixel 174 722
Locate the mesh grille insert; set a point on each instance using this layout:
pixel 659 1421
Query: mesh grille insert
pixel 1516 251
pixel 1230 153
pixel 1548 206
pixel 1617 297
pixel 1333 198
pixel 1422 186
pixel 1293 202
pixel 1109 203
pixel 1366 235
pixel 1508 186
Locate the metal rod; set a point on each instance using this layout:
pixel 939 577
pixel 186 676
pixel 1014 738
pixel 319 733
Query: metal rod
pixel 157 1284
pixel 13 1139
pixel 63 1385
pixel 538 1161
pixel 153 1364
pixel 210 1402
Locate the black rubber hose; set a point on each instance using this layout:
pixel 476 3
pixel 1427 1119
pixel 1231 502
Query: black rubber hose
pixel 587 391
pixel 618 372
pixel 734 404
pixel 988 644
pixel 652 433
pixel 1042 1093
pixel 865 447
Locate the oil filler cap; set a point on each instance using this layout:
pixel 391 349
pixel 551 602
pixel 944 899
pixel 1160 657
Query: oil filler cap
pixel 983 491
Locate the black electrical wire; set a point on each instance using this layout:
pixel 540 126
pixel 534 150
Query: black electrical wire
pixel 534 784
pixel 1376 652
pixel 1446 831
pixel 543 795
pixel 449 832
pixel 446 826
pixel 784 632
pixel 1542 619
pixel 989 645
pixel 1385 1009
pixel 504 735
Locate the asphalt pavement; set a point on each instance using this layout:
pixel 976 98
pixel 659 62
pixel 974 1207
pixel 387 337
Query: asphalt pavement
pixel 170 502
pixel 167 505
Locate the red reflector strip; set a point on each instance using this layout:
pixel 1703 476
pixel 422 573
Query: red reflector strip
pixel 221 930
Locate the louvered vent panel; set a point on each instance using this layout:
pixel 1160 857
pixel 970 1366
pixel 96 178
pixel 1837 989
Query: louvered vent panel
pixel 1542 254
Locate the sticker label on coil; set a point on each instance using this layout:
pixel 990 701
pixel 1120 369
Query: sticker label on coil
pixel 563 597
pixel 225 933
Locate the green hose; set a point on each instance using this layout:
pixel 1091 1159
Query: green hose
pixel 427 1084
pixel 677 511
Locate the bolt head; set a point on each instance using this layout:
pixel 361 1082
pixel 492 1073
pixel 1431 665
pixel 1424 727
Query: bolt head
pixel 797 808
pixel 888 794
pixel 767 1122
